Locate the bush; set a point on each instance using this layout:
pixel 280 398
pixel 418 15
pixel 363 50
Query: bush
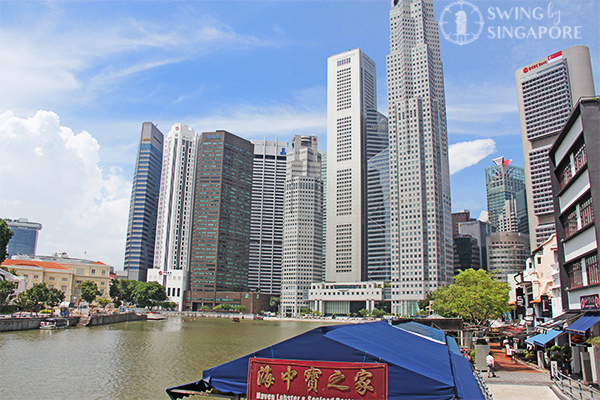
pixel 46 311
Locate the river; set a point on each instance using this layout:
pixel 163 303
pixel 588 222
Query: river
pixel 133 360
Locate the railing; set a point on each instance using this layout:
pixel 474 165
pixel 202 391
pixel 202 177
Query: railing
pixel 574 389
pixel 482 386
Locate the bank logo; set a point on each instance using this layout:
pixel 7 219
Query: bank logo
pixel 461 22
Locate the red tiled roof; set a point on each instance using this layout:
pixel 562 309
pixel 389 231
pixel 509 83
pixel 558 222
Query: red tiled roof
pixel 98 262
pixel 30 263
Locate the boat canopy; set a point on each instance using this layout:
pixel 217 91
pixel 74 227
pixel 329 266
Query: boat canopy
pixel 421 365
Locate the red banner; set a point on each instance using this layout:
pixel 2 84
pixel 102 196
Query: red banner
pixel 315 380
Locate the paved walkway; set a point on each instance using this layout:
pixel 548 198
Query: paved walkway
pixel 518 381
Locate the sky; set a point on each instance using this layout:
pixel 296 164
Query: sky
pixel 78 79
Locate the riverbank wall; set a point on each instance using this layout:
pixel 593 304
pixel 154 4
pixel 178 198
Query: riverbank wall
pixel 24 324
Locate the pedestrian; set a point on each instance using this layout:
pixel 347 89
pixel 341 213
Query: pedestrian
pixel 490 362
pixel 567 365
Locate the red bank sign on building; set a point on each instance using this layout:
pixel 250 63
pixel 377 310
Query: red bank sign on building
pixel 315 380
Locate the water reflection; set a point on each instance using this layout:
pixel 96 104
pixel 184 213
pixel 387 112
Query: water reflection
pixel 133 360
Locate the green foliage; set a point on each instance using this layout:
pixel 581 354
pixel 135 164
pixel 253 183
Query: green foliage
pixel 7 290
pixel 149 294
pixel 475 296
pixel 377 313
pixel 423 304
pixel 239 308
pixel 102 302
pixel 89 291
pixel 168 305
pixel 205 308
pixel 274 301
pixel 222 307
pixel 363 312
pixel 121 291
pixel 305 311
pixel 5 234
pixel 9 270
pixel 38 297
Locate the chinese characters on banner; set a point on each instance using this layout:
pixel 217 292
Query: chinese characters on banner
pixel 315 380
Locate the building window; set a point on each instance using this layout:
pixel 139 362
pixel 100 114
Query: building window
pixel 574 274
pixel 591 265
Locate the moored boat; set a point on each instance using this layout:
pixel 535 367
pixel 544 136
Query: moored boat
pixel 54 323
pixel 235 319
pixel 155 316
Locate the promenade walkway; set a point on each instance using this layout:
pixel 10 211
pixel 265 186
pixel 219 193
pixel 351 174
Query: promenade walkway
pixel 518 381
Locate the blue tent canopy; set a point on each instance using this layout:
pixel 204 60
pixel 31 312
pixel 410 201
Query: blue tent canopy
pixel 583 324
pixel 418 368
pixel 543 338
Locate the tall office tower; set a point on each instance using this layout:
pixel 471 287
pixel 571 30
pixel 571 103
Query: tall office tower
pixel 25 237
pixel 174 223
pixel 458 218
pixel 507 252
pixel 351 91
pixel 143 208
pixel 378 198
pixel 303 225
pixel 547 90
pixel 222 209
pixel 504 186
pixel 266 221
pixel 480 231
pixel 466 253
pixel 422 256
pixel 324 179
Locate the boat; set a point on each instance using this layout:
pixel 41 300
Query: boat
pixel 235 319
pixel 54 323
pixel 258 317
pixel 155 316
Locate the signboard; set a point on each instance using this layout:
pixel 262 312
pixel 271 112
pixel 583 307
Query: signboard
pixel 546 306
pixel 590 302
pixel 520 302
pixel 315 380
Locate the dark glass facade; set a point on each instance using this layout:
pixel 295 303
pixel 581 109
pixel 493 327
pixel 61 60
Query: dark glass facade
pixel 143 208
pixel 24 240
pixel 221 218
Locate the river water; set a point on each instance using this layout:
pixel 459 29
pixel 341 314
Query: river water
pixel 133 360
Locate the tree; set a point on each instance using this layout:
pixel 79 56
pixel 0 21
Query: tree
pixel 121 291
pixel 7 290
pixel 55 297
pixel 89 291
pixel 39 296
pixel 363 312
pixel 274 301
pixel 102 302
pixel 377 313
pixel 474 296
pixel 5 234
pixel 149 294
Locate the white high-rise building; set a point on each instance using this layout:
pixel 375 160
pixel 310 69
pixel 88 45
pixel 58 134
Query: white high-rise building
pixel 266 221
pixel 421 221
pixel 547 90
pixel 351 91
pixel 175 208
pixel 303 225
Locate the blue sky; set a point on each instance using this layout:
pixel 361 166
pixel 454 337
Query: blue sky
pixel 78 79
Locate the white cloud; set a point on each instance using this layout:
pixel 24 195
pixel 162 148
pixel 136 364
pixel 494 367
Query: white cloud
pixel 59 61
pixel 481 102
pixel 52 176
pixel 466 154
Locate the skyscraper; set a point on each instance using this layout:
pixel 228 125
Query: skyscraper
pixel 174 223
pixel 266 220
pixel 25 237
pixel 303 225
pixel 421 225
pixel 505 188
pixel 143 207
pixel 222 207
pixel 547 90
pixel 378 198
pixel 351 91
